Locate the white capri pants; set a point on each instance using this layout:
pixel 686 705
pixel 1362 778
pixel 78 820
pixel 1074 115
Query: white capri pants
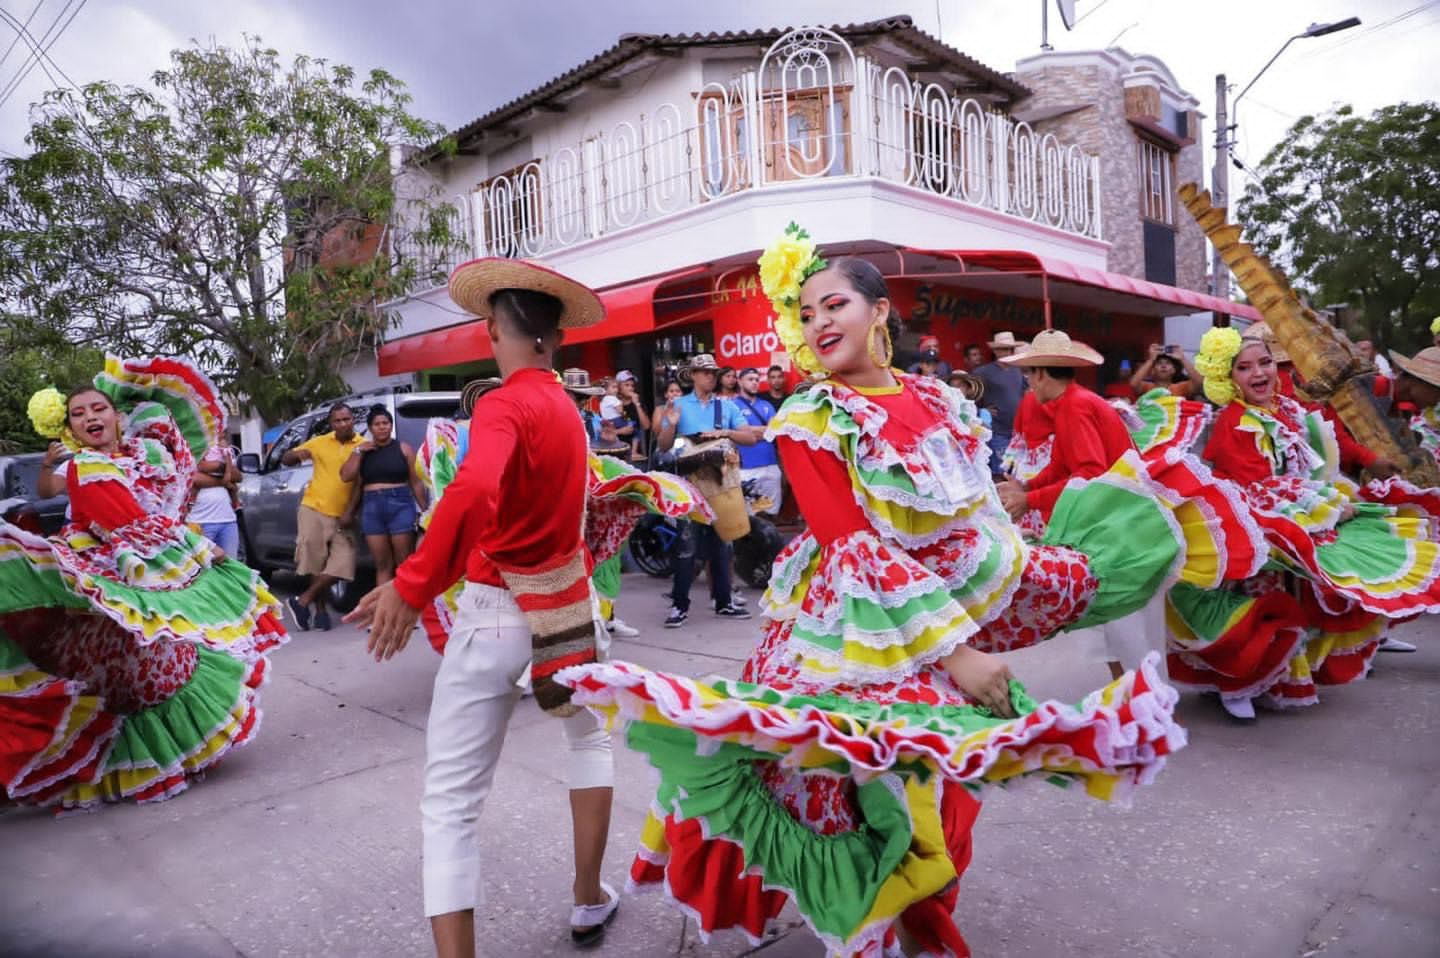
pixel 481 678
pixel 1127 640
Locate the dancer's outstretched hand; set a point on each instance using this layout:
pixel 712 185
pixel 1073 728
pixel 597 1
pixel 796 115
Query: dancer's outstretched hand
pixel 391 620
pixel 983 678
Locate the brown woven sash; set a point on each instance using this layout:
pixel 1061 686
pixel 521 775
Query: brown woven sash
pixel 556 603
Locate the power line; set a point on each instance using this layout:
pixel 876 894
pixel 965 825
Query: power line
pixel 46 43
pixel 33 10
pixel 1383 25
pixel 43 57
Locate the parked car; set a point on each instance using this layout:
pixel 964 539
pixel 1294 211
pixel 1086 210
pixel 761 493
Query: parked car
pixel 20 505
pixel 271 491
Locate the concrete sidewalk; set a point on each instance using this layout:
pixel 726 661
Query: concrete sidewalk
pixel 1313 833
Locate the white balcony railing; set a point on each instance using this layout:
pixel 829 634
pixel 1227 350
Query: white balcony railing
pixel 813 109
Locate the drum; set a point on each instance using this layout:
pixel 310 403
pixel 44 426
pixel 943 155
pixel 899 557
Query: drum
pixel 714 468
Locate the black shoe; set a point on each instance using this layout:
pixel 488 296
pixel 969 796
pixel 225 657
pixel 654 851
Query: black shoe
pixel 732 611
pixel 301 613
pixel 676 618
pixel 322 619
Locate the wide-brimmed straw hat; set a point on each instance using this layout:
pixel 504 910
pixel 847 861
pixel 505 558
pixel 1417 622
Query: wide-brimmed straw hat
pixel 1006 340
pixel 473 283
pixel 578 381
pixel 1424 367
pixel 1266 335
pixel 972 386
pixel 1054 347
pixel 472 392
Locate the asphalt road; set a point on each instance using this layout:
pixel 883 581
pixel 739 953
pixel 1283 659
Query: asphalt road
pixel 1315 833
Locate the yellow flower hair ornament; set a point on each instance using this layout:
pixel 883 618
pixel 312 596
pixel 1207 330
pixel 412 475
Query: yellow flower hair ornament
pixel 47 412
pixel 1218 349
pixel 784 267
pixel 1435 326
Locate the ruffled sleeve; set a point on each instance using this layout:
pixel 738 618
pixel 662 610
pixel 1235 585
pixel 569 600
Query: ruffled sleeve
pixel 1162 420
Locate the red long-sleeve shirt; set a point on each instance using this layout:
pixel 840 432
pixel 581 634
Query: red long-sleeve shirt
pixel 518 499
pixel 1089 437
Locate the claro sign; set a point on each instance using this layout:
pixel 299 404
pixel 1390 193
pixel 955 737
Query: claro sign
pixel 744 324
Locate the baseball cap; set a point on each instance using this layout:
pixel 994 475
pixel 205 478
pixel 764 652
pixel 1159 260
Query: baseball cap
pixel 624 376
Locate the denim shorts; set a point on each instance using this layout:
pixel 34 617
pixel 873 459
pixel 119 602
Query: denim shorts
pixel 388 511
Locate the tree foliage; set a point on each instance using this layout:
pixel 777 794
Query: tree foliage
pixel 1350 206
pixel 228 214
pixel 31 359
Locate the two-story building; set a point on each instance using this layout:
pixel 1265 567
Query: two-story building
pixel 657 170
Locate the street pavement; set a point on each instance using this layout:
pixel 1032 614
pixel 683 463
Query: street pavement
pixel 1315 833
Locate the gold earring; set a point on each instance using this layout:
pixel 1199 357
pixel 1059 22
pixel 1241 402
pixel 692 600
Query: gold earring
pixel 884 353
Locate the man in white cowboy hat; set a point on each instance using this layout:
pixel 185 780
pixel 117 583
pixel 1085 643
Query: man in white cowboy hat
pixel 702 415
pixel 1089 437
pixel 1004 385
pixel 526 606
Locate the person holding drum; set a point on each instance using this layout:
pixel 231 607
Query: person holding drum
pixel 704 416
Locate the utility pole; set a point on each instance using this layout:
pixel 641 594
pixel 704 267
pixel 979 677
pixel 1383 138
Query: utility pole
pixel 1219 188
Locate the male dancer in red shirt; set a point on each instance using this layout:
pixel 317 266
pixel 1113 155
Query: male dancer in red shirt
pixel 486 528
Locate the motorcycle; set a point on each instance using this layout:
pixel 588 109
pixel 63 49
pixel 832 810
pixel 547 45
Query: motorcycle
pixel 655 540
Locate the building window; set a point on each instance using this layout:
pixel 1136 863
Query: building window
pixel 514 213
pixel 1156 169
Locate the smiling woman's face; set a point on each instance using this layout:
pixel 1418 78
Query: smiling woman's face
pixel 93 419
pixel 1253 373
pixel 837 321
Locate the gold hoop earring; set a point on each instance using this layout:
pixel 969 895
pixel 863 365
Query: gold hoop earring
pixel 884 353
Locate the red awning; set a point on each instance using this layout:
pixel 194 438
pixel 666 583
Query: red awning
pixel 629 310
pixel 1017 273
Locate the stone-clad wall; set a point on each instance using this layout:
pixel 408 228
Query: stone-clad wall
pixel 1100 127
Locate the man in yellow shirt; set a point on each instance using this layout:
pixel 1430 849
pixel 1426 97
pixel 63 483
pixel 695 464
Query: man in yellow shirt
pixel 324 547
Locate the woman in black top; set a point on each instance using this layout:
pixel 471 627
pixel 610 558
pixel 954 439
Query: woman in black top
pixel 389 491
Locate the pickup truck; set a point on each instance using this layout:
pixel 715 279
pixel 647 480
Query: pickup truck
pixel 271 491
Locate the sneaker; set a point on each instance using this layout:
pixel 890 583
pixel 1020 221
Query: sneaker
pixel 300 612
pixel 676 618
pixel 322 619
pixel 732 611
pixel 618 626
pixel 1391 644
pixel 737 598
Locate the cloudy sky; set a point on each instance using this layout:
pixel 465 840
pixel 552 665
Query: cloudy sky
pixel 462 57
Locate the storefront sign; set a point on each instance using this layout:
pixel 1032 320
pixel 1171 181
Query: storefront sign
pixel 744 324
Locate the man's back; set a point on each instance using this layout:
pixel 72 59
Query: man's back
pixel 1004 385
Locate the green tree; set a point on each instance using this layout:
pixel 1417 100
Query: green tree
pixel 1350 206
pixel 235 213
pixel 31 359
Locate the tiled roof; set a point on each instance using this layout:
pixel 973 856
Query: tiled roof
pixel 632 45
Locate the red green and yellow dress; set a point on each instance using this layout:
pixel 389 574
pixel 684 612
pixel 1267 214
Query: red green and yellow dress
pixel 131 654
pixel 618 495
pixel 1315 615
pixel 839 772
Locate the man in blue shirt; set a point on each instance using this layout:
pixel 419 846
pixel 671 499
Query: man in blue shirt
pixel 759 463
pixel 702 415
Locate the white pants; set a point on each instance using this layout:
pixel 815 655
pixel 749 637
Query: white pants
pixel 1127 640
pixel 769 482
pixel 479 682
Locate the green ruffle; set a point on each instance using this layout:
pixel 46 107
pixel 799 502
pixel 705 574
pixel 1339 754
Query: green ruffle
pixel 1129 538
pixel 1366 547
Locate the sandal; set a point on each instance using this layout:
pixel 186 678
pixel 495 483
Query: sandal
pixel 587 922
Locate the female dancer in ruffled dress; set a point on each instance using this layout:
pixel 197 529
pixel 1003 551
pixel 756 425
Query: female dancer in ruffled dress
pixel 841 779
pixel 131 648
pixel 1345 560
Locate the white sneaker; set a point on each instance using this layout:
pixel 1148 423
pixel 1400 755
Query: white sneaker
pixel 1392 644
pixel 618 626
pixel 1240 709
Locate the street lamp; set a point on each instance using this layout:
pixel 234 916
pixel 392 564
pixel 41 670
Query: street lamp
pixel 1225 142
pixel 1314 30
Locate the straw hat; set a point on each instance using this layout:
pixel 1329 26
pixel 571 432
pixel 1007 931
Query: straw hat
pixel 472 392
pixel 972 386
pixel 1264 334
pixel 1054 347
pixel 1006 340
pixel 473 283
pixel 703 361
pixel 1424 367
pixel 578 381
